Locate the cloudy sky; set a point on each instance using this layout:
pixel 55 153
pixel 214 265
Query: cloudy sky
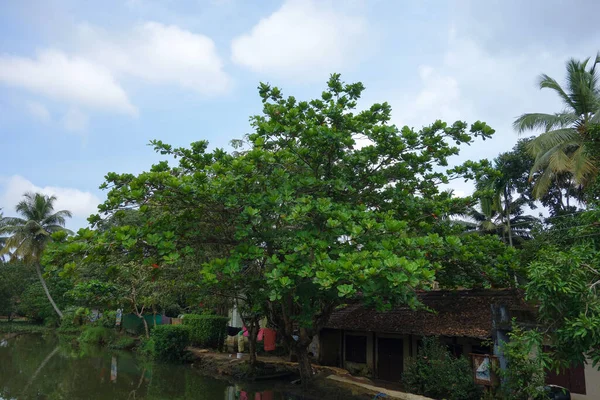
pixel 85 85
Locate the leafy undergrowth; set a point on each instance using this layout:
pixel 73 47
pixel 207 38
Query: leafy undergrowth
pixel 123 343
pixel 97 335
pixel 22 327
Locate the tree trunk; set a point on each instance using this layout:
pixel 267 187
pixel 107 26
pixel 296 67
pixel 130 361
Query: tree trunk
pixel 43 282
pixel 146 327
pixel 252 336
pixel 304 366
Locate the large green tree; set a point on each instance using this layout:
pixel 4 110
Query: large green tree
pixel 565 152
pixel 29 234
pixel 303 216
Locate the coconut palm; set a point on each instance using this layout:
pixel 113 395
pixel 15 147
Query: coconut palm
pixel 28 236
pixel 564 146
pixel 487 219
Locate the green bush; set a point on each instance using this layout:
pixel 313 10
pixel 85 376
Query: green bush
pixel 173 310
pixel 123 343
pixel 170 342
pixel 525 375
pixel 435 373
pixel 206 330
pixel 96 335
pixel 147 347
pixel 108 319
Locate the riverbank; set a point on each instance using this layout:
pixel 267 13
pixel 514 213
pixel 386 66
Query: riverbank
pixel 22 327
pixel 329 382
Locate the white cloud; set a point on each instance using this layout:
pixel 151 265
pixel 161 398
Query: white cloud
pixel 81 204
pixel 75 121
pixel 38 111
pixel 72 79
pixel 160 54
pixel 302 39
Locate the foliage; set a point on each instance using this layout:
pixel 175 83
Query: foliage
pixel 565 149
pixel 124 342
pixel 108 319
pixel 96 335
pixel 34 304
pixel 15 278
pixel 300 219
pixel 22 327
pixel 147 347
pixel 170 341
pixel 524 378
pixel 29 236
pixel 206 330
pixel 436 373
pixel 565 283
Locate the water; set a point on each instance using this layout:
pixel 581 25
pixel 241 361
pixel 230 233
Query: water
pixel 37 367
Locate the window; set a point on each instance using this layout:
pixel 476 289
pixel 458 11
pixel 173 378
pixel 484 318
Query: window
pixel 356 349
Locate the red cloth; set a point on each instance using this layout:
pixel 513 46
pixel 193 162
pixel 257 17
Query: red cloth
pixel 261 331
pixel 243 395
pixel 246 334
pixel 269 339
pixel 268 395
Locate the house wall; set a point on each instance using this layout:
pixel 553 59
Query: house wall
pixel 332 349
pixel 592 384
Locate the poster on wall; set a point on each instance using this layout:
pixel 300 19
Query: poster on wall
pixel 483 369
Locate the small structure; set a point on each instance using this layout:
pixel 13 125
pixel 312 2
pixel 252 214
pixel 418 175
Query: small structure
pixel 470 322
pixel 379 344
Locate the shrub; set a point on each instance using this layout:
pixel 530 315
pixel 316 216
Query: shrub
pixel 435 373
pixel 96 335
pixel 525 376
pixel 123 343
pixel 147 347
pixel 206 330
pixel 173 310
pixel 170 342
pixel 108 319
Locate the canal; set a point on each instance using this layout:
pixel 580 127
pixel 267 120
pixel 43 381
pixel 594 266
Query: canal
pixel 43 367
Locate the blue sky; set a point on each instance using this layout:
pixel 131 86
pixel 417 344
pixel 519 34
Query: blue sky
pixel 85 85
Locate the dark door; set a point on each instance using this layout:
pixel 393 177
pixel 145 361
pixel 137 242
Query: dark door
pixel 390 359
pixel 330 347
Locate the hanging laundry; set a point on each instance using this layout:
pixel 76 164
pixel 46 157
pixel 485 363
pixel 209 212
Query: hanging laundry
pixel 261 331
pixel 269 339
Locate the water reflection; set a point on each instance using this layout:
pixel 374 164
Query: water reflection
pixel 36 367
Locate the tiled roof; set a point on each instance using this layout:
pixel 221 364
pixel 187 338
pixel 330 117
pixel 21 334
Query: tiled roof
pixel 455 313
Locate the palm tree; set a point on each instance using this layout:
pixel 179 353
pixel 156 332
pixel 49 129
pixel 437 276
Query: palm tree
pixel 28 236
pixel 487 219
pixel 565 146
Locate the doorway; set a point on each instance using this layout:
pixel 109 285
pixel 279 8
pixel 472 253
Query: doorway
pixel 390 359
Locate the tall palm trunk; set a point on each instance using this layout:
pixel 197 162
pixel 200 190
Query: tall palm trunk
pixel 43 282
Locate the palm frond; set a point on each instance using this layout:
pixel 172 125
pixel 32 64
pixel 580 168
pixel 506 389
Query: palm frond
pixel 551 139
pixel 546 82
pixel 545 122
pixel 582 165
pixel 543 183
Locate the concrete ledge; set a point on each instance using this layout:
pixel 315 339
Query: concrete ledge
pixel 391 393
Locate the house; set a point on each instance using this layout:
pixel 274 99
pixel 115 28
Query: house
pixel 379 344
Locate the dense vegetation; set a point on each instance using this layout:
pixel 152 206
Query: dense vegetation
pixel 322 205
